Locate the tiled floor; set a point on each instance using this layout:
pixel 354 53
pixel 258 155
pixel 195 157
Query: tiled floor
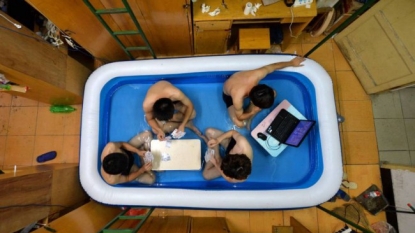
pixel 394 114
pixel 28 129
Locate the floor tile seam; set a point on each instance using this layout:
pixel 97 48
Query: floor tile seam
pixel 366 100
pixel 377 163
pixel 48 134
pixel 393 150
pixel 24 106
pixel 345 130
pixel 342 69
pixel 400 101
pixel 7 137
pixel 12 134
pixel 10 103
pixel 407 147
pixel 357 99
pixel 35 119
pixel 349 165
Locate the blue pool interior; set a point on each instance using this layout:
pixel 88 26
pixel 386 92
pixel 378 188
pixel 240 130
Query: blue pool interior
pixel 122 117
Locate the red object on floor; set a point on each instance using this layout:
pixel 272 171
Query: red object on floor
pixel 135 212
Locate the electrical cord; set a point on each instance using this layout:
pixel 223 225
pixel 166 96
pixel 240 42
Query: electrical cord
pixel 15 24
pixel 272 147
pixel 292 21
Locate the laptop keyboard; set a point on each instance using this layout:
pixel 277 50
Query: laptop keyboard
pixel 282 126
pixel 285 128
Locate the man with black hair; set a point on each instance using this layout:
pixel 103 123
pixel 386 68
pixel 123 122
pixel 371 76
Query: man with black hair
pixel 236 165
pixel 167 108
pixel 117 161
pixel 245 84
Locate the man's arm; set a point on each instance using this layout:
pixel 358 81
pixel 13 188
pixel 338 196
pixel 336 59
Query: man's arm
pixel 189 109
pixel 295 62
pixel 150 120
pixel 239 111
pixel 225 136
pixel 229 134
pixel 133 149
pixel 215 141
pixel 133 175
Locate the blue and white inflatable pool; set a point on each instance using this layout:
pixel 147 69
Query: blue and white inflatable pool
pixel 299 177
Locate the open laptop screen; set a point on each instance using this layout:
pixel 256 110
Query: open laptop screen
pixel 299 133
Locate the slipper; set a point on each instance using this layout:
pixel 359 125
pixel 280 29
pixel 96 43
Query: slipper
pixel 349 185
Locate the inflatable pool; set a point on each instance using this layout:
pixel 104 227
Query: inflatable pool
pixel 299 177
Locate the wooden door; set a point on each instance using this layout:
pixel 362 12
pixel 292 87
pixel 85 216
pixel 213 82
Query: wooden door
pixel 380 45
pixel 211 42
pixel 167 25
pixel 211 37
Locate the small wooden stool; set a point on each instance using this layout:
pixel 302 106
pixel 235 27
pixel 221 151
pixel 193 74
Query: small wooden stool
pixel 254 39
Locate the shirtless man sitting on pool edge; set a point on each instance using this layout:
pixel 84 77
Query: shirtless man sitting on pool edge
pixel 245 84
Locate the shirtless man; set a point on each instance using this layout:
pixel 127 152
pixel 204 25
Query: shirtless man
pixel 167 108
pixel 244 84
pixel 236 165
pixel 118 164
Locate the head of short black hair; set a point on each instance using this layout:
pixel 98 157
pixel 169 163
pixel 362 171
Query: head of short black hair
pixel 262 96
pixel 115 163
pixel 237 166
pixel 163 109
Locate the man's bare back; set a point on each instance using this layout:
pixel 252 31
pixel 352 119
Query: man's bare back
pixel 240 84
pixel 161 89
pixel 181 118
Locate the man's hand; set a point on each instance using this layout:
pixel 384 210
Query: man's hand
pixel 161 135
pixel 147 167
pixel 212 142
pixel 181 128
pixel 213 161
pixel 296 62
pixel 140 152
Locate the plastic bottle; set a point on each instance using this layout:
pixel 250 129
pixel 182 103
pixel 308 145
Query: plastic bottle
pixel 61 108
pixel 46 157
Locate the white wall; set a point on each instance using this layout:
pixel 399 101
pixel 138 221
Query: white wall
pixel 403 183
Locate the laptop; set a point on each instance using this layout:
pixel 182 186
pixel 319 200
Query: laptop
pixel 273 146
pixel 177 154
pixel 288 129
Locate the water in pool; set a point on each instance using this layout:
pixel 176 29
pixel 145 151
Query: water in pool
pixel 122 117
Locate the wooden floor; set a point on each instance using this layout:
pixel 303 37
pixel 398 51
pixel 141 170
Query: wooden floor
pixel 28 129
